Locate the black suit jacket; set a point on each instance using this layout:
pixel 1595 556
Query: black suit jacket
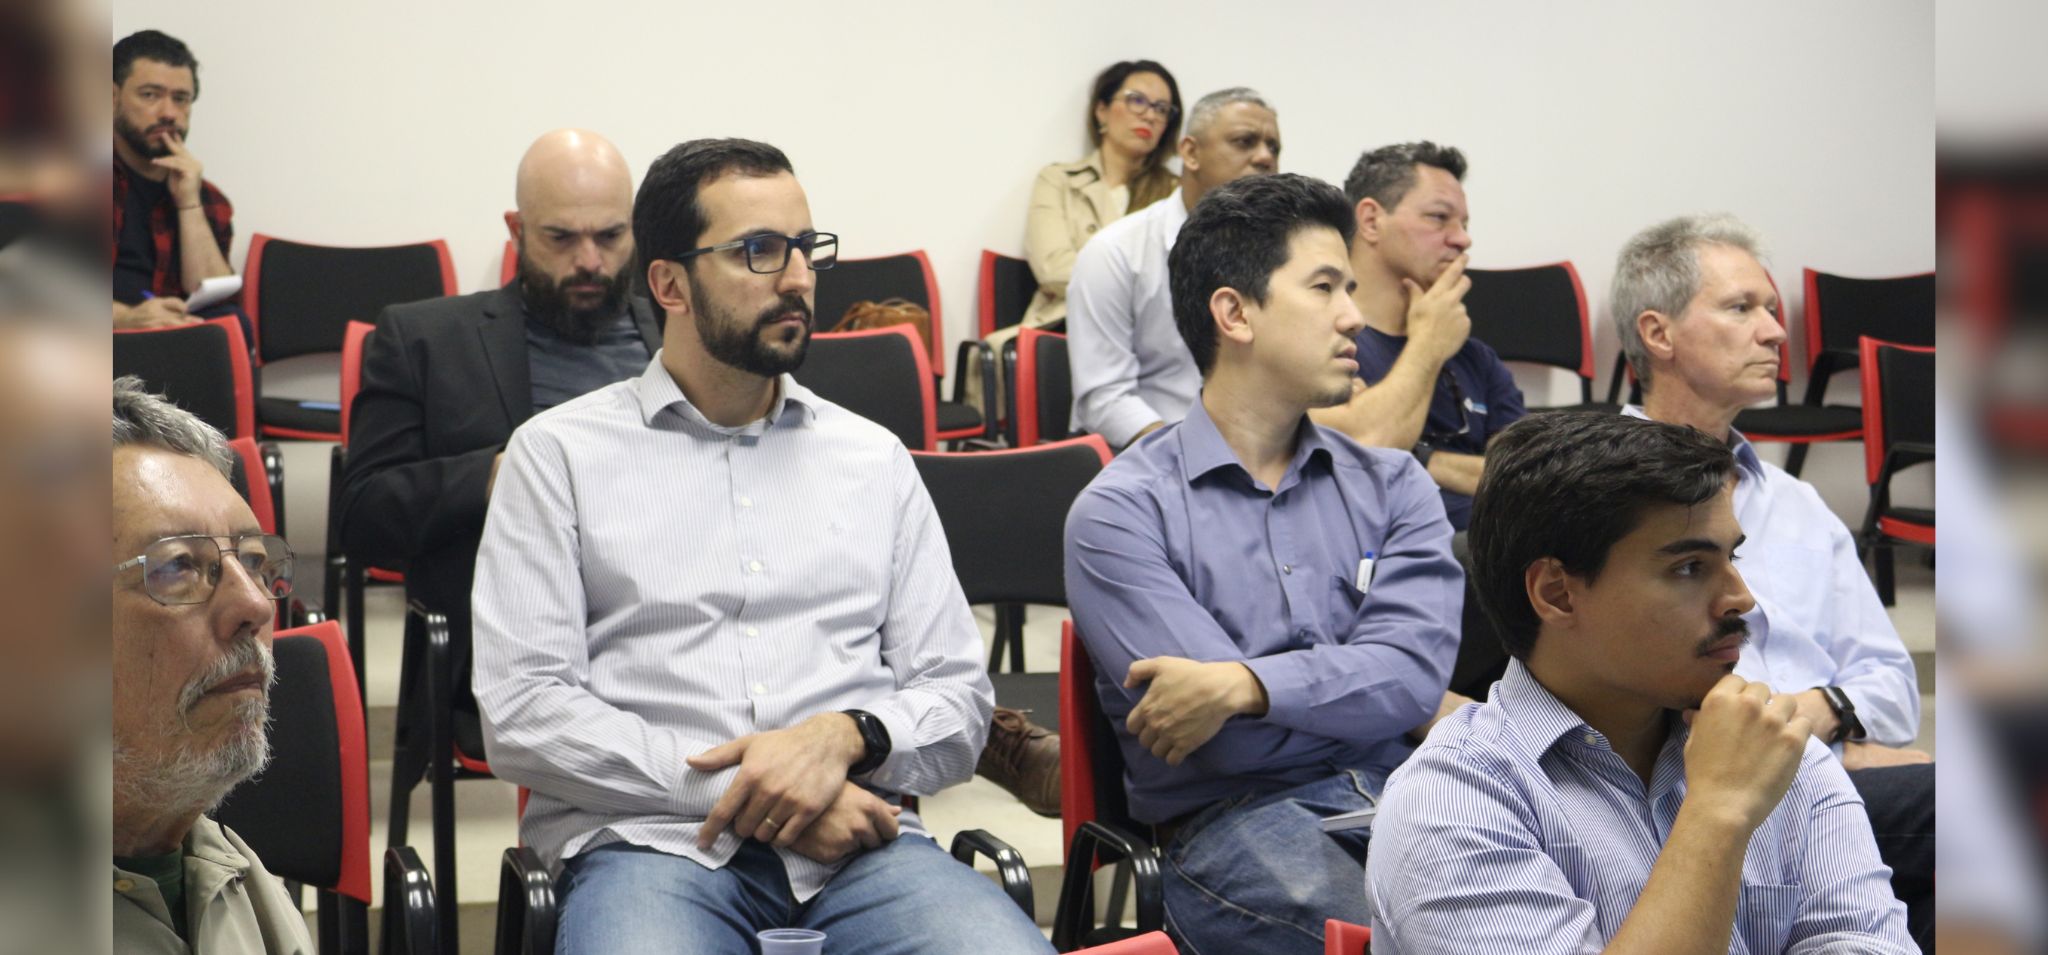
pixel 445 381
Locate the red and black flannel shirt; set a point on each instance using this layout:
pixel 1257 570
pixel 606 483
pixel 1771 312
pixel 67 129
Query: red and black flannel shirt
pixel 163 227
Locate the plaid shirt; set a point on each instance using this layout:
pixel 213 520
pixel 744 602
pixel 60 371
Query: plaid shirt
pixel 163 228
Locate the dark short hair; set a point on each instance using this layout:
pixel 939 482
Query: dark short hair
pixel 1569 485
pixel 1387 173
pixel 1112 79
pixel 667 220
pixel 1237 237
pixel 153 45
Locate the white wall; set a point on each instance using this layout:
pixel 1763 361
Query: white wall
pixel 920 124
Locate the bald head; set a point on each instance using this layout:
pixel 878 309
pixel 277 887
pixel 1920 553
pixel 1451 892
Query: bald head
pixel 574 229
pixel 572 164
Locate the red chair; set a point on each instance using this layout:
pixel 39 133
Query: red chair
pixel 202 367
pixel 908 276
pixel 1898 425
pixel 1344 938
pixel 343 575
pixel 1800 425
pixel 879 374
pixel 1005 288
pixel 1897 309
pixel 508 267
pixel 300 298
pixel 1096 814
pixel 1041 388
pixel 1537 315
pixel 1150 943
pixel 308 814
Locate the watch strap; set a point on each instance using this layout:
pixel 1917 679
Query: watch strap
pixel 874 737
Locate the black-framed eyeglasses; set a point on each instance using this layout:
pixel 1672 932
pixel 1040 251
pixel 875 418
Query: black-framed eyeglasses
pixel 187 569
pixel 768 253
pixel 1140 104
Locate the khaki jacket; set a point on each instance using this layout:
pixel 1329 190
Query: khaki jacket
pixel 232 903
pixel 1069 204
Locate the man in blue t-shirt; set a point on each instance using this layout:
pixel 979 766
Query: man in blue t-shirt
pixel 1424 383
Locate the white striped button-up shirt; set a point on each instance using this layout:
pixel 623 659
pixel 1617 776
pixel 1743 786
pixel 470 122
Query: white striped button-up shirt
pixel 1516 828
pixel 651 585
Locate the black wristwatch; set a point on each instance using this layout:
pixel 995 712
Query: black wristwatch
pixel 1422 451
pixel 874 736
pixel 1848 727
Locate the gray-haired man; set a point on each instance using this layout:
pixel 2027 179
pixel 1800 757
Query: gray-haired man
pixel 1132 372
pixel 194 598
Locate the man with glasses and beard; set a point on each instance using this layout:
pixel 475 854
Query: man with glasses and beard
pixel 171 228
pixel 195 585
pixel 445 381
pixel 718 634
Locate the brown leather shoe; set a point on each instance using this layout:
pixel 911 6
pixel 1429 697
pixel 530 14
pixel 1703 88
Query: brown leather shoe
pixel 1024 758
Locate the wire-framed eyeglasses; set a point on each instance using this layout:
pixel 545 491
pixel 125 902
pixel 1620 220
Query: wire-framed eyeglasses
pixel 187 569
pixel 768 253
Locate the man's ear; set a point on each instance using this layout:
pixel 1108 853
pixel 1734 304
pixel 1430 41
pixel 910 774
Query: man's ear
pixel 1190 159
pixel 1550 591
pixel 1368 213
pixel 1655 327
pixel 669 286
pixel 1227 310
pixel 513 225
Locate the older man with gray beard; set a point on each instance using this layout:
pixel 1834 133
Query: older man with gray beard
pixel 194 590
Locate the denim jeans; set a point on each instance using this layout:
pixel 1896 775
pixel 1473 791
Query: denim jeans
pixel 905 898
pixel 1259 874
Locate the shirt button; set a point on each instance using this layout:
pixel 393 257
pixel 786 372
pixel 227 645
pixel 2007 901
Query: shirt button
pixel 1592 740
pixel 746 502
pixel 124 885
pixel 760 689
pixel 1287 568
pixel 754 566
pixel 753 631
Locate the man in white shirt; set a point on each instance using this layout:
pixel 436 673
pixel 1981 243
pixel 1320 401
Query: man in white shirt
pixel 1697 316
pixel 717 630
pixel 1132 372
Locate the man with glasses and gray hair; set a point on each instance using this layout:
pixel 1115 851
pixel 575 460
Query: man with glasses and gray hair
pixel 196 585
pixel 718 633
pixel 1697 316
pixel 1132 372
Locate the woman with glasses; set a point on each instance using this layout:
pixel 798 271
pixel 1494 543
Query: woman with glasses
pixel 1133 124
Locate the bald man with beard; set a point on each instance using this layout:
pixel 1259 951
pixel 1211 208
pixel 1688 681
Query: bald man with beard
pixel 445 381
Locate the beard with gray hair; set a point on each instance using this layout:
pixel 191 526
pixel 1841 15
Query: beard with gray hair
pixel 182 776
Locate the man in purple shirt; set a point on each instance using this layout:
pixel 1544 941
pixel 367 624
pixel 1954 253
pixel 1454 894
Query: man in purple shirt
pixel 1622 790
pixel 1270 605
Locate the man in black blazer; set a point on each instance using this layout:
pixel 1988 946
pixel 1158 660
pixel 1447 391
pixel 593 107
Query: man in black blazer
pixel 445 381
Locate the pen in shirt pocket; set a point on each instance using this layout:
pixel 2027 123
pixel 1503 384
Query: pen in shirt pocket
pixel 1364 580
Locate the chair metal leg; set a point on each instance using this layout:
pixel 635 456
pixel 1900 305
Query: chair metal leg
pixel 1010 630
pixel 1796 459
pixel 358 628
pixel 1887 587
pixel 441 759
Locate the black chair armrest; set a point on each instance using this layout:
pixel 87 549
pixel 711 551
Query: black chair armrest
pixel 1100 842
pixel 337 562
pixel 526 905
pixel 1010 868
pixel 1009 371
pixel 410 924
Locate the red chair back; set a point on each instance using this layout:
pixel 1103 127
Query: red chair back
pixel 863 371
pixel 1344 938
pixel 256 483
pixel 352 343
pixel 1079 711
pixel 508 267
pixel 906 275
pixel 202 367
pixel 1150 943
pixel 1877 439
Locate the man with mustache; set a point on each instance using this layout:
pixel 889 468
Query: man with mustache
pixel 171 228
pixel 445 381
pixel 718 634
pixel 1270 606
pixel 194 588
pixel 1622 790
pixel 1132 372
pixel 1696 314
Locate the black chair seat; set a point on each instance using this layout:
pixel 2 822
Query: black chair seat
pixel 958 416
pixel 289 413
pixel 1798 421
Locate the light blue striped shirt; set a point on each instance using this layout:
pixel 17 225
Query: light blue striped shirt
pixel 651 585
pixel 1818 621
pixel 1516 828
pixel 1130 365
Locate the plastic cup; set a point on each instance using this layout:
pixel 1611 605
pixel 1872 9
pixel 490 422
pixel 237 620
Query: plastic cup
pixel 791 941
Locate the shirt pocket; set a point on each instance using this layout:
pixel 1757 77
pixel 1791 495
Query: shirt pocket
pixel 1764 916
pixel 1345 600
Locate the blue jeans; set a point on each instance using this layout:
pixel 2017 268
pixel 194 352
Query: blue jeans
pixel 907 897
pixel 1900 801
pixel 1259 874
